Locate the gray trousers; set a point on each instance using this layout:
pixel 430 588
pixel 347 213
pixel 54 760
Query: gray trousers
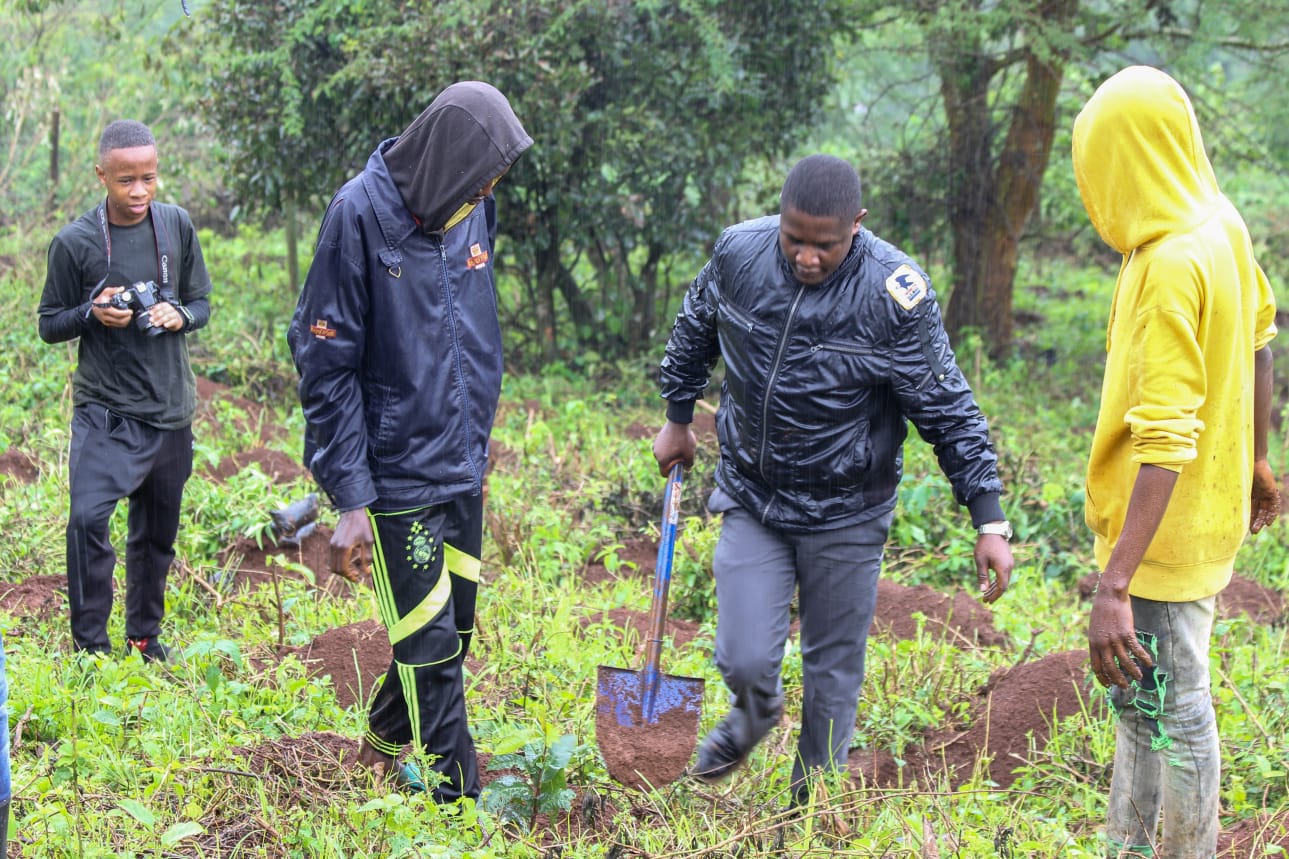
pixel 1167 760
pixel 757 571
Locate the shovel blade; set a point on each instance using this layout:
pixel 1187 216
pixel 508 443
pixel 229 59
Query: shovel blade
pixel 646 727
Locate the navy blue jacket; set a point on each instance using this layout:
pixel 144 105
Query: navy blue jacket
pixel 399 350
pixel 820 382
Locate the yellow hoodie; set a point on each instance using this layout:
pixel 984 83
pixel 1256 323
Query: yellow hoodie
pixel 1190 308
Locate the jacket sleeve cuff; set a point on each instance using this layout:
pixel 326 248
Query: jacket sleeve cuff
pixel 353 495
pixel 986 507
pixel 679 412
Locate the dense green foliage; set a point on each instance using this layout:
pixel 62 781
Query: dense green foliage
pixel 125 760
pixel 958 112
pixel 643 116
pixel 655 124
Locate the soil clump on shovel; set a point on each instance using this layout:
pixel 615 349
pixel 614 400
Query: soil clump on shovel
pixel 645 753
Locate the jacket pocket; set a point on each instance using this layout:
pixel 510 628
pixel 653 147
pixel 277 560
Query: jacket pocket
pixel 844 348
pixel 382 416
pixel 738 317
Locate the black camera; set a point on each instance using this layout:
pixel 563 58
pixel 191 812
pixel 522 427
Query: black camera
pixel 141 298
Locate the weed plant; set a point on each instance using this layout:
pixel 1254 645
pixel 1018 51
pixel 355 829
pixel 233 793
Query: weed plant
pixel 115 758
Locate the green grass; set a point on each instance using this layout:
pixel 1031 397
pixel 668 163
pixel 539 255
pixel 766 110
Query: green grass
pixel 122 759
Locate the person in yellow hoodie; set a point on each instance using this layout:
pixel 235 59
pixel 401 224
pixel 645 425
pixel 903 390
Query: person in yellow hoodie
pixel 1178 471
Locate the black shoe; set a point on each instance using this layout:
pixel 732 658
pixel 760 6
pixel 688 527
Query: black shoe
pixel 718 756
pixel 151 649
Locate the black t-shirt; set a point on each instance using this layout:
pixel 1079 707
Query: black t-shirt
pixel 147 378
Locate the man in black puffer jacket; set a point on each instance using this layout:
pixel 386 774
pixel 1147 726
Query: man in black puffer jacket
pixel 832 343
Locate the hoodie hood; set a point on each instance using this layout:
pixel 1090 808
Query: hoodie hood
pixel 467 137
pixel 1139 160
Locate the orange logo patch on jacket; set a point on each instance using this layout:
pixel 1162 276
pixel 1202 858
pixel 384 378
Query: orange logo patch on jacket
pixel 478 257
pixel 322 330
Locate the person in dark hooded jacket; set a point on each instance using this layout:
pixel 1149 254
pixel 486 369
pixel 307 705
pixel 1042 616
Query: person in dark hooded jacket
pixel 832 343
pixel 398 346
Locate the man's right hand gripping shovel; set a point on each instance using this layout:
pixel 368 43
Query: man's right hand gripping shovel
pixel 351 546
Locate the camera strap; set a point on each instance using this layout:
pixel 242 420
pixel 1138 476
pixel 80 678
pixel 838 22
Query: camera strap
pixel 158 237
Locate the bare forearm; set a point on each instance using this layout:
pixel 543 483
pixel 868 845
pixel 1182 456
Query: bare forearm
pixel 1150 496
pixel 1263 378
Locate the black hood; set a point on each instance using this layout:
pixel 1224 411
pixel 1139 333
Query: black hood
pixel 467 137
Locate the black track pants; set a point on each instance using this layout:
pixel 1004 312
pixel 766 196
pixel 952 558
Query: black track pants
pixel 114 457
pixel 425 570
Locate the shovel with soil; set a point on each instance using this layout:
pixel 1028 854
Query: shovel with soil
pixel 646 722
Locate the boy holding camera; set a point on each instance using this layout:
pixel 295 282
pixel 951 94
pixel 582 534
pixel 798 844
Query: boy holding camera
pixel 129 280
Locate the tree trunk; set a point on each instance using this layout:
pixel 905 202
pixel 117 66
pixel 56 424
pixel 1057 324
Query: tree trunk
pixel 644 313
pixel 991 199
pixel 554 278
pixel 964 86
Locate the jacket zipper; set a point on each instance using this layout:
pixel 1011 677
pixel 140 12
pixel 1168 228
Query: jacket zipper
pixel 449 317
pixel 746 322
pixel 769 386
pixel 844 348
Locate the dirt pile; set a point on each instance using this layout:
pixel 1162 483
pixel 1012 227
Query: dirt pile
pixel 1016 706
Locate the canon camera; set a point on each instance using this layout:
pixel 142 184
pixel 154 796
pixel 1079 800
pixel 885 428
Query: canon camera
pixel 141 298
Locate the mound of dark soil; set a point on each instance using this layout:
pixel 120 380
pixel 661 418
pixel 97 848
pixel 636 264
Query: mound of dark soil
pixel 1264 835
pixel 35 599
pixel 251 564
pixel 633 626
pixel 18 466
pixel 353 656
pixel 1245 596
pixel 275 464
pixel 960 619
pixel 250 417
pixel 1017 703
pixel 636 559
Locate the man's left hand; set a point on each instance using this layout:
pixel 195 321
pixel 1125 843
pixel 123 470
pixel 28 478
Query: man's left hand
pixel 1265 497
pixel 165 315
pixel 351 546
pixel 993 553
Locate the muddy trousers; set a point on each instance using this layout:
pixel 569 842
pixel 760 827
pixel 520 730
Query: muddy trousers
pixel 1167 761
pixel 757 571
pixel 114 457
pixel 425 572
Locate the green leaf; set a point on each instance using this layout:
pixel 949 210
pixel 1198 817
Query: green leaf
pixel 509 745
pixel 138 811
pixel 179 831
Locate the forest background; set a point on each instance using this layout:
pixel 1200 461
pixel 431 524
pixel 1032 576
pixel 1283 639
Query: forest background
pixel 656 123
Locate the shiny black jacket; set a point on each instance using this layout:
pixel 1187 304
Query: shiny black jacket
pixel 398 346
pixel 820 382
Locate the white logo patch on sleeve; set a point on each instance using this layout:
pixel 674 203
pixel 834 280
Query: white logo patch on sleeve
pixel 906 286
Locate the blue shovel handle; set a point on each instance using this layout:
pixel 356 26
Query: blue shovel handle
pixel 661 584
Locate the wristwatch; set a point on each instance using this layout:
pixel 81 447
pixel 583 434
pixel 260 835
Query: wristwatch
pixel 1002 528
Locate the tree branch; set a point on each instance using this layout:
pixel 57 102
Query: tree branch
pixel 1228 41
